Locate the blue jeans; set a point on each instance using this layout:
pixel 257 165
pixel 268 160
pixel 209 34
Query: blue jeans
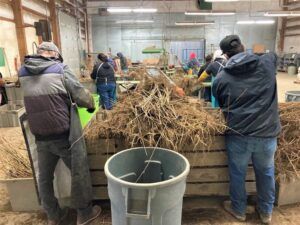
pixel 49 152
pixel 240 150
pixel 107 94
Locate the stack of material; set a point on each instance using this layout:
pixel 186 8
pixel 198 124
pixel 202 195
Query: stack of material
pixel 14 162
pixel 288 153
pixel 154 116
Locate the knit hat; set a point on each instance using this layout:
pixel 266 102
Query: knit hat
pixel 50 46
pixel 193 55
pixel 230 42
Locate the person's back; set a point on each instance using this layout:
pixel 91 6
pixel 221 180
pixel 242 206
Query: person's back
pixel 45 97
pixel 49 86
pixel 104 73
pixel 248 95
pixel 123 61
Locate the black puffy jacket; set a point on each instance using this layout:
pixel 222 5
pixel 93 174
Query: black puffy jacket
pixel 247 93
pixel 103 73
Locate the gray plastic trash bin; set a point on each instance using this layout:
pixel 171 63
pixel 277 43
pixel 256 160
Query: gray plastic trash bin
pixel 292 96
pixel 146 186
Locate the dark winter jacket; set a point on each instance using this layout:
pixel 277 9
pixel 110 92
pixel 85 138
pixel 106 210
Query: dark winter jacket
pixel 46 84
pixel 103 73
pixel 215 67
pixel 247 93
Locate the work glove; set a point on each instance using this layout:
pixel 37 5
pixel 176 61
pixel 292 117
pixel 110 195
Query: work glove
pixel 91 110
pixel 179 91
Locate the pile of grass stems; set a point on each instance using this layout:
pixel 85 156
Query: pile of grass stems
pixel 154 114
pixel 14 162
pixel 288 152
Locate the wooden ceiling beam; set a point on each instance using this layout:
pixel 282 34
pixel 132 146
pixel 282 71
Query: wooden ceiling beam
pixel 292 28
pixel 296 19
pixel 6 2
pixel 7 19
pixel 34 12
pixel 292 35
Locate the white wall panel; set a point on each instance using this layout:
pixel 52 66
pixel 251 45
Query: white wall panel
pixel 135 37
pixel 69 36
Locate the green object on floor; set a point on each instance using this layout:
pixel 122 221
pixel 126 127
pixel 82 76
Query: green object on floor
pixel 85 116
pixel 2 59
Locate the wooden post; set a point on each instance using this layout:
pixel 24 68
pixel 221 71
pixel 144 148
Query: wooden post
pixel 282 34
pixel 20 28
pixel 87 31
pixel 54 23
pixel 283 28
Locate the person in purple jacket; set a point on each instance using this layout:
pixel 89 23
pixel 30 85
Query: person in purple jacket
pixel 49 85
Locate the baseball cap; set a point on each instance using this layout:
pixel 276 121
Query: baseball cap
pixel 230 42
pixel 50 46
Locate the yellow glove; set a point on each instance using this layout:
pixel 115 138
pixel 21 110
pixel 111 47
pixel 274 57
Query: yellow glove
pixel 203 77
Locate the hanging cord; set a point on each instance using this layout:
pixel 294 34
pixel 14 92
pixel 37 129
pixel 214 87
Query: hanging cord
pixel 149 160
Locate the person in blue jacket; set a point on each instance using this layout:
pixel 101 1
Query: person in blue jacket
pixel 247 93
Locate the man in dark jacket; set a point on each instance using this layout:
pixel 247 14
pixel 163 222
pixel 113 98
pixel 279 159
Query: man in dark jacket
pixel 123 61
pixel 48 85
pixel 247 93
pixel 104 75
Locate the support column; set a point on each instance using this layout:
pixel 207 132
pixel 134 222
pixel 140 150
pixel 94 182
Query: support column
pixel 20 28
pixel 54 23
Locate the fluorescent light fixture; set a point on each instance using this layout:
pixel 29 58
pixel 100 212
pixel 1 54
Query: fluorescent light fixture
pixel 222 0
pixel 264 22
pixel 282 13
pixel 144 10
pixel 134 21
pixel 144 21
pixel 249 22
pixel 209 13
pixel 194 23
pixel 246 22
pixel 119 10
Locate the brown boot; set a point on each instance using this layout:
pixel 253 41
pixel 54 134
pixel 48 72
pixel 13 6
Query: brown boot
pixel 228 208
pixel 62 218
pixel 89 218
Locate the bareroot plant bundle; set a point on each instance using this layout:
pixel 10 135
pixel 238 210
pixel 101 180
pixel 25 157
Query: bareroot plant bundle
pixel 14 161
pixel 153 115
pixel 288 152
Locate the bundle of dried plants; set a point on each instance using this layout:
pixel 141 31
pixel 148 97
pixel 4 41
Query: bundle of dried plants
pixel 153 113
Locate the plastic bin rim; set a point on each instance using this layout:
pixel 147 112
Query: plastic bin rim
pixel 147 185
pixel 295 93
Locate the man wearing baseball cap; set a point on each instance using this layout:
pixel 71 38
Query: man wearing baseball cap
pixel 247 93
pixel 49 88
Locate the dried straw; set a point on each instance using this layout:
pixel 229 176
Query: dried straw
pixel 288 153
pixel 14 162
pixel 153 113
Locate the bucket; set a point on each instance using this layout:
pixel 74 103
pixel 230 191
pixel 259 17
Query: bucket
pixel 292 96
pixel 146 186
pixel 292 70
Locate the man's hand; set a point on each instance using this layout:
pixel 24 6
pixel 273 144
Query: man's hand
pixel 91 110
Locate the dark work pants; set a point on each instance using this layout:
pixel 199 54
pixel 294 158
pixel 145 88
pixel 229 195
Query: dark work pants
pixel 49 152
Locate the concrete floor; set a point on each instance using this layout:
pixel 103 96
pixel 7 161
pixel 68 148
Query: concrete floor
pixel 286 83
